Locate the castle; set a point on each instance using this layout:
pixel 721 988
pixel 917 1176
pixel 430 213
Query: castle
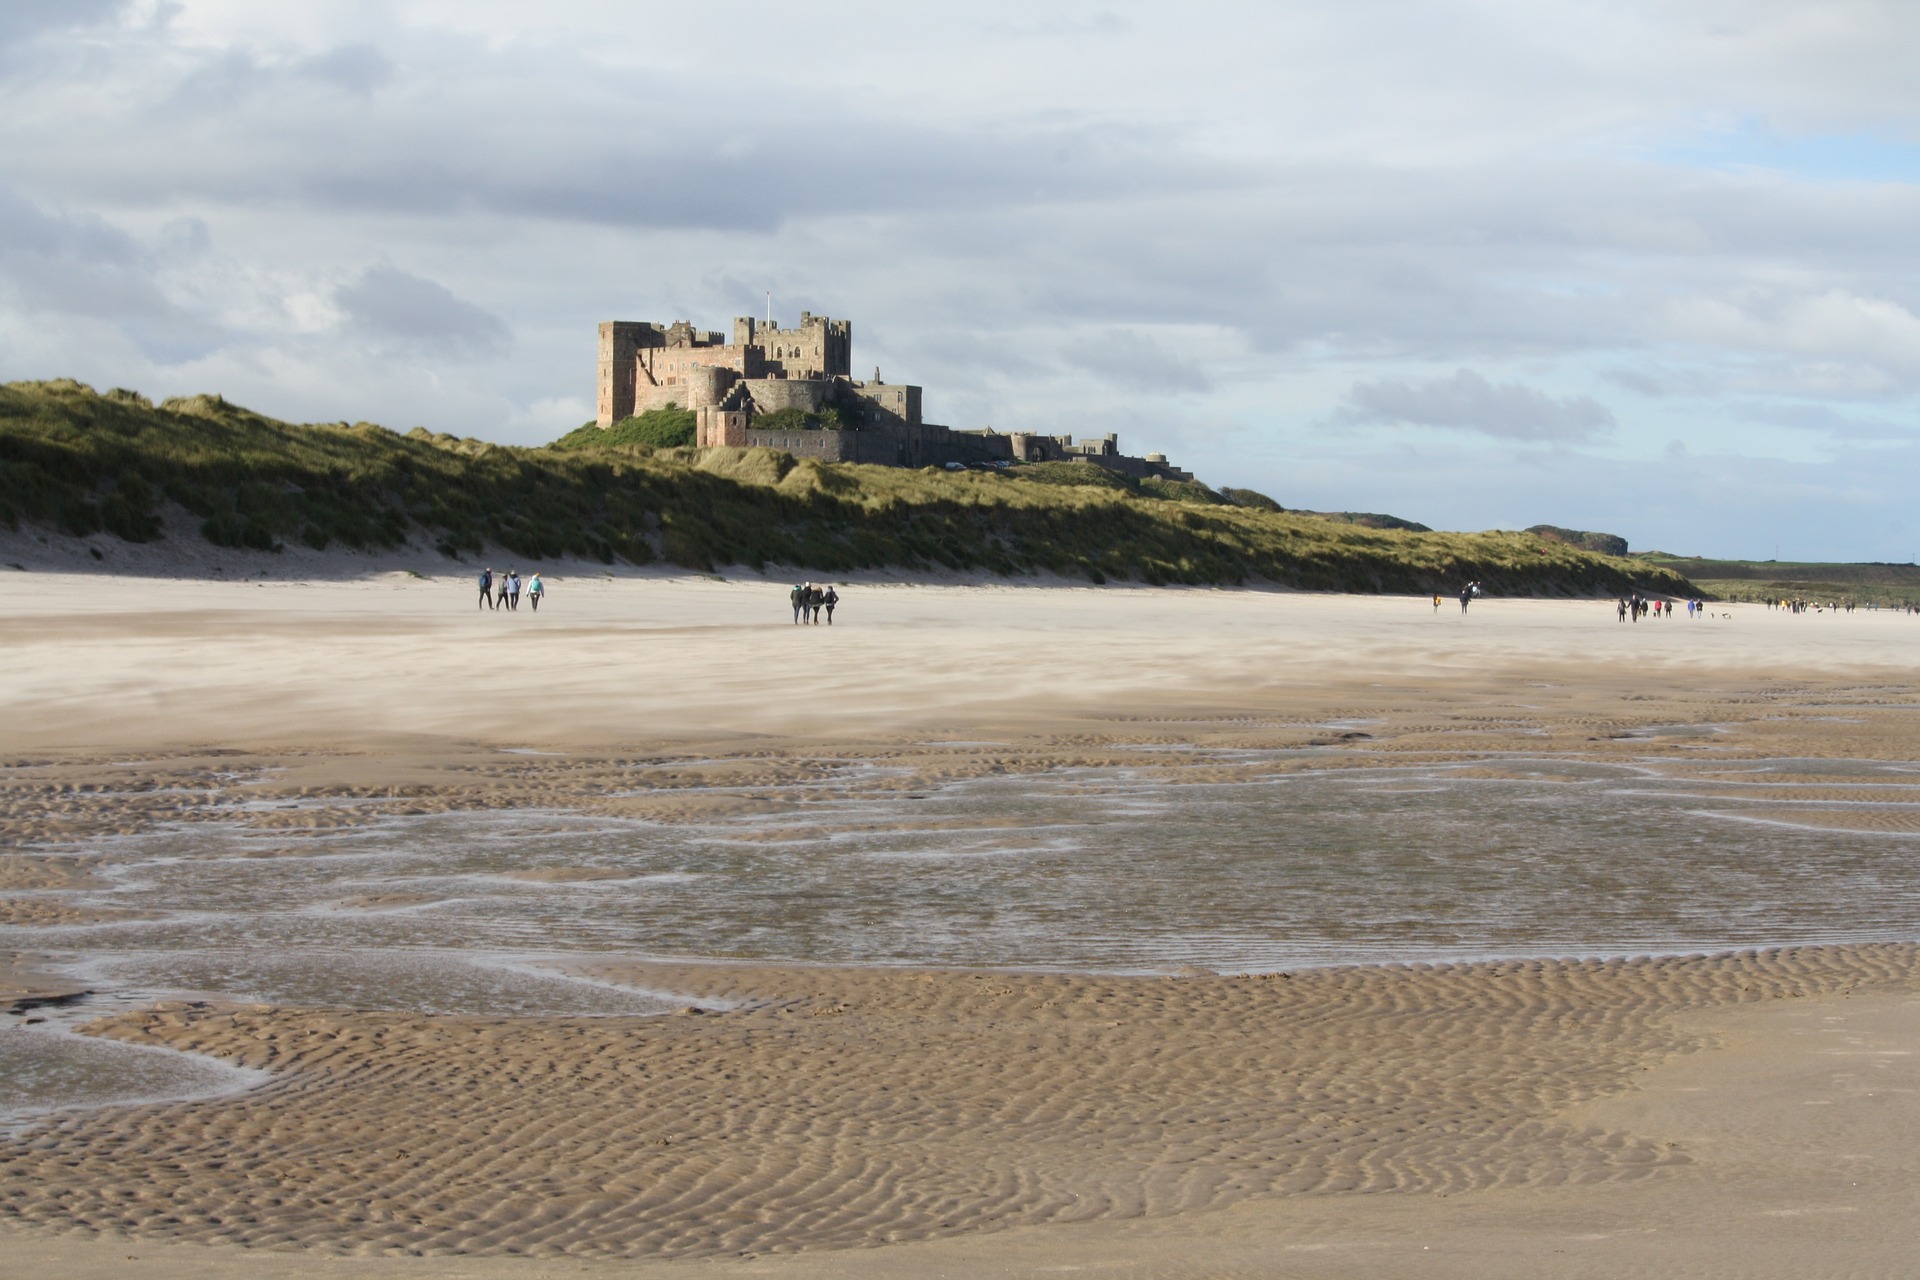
pixel 793 389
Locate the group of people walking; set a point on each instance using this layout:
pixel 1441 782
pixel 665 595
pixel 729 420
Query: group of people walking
pixel 1637 606
pixel 505 590
pixel 809 599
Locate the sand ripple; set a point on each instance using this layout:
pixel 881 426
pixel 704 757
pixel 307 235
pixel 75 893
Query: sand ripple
pixel 854 1108
pixel 18 871
pixel 44 912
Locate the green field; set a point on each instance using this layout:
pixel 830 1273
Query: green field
pixel 1865 583
pixel 113 464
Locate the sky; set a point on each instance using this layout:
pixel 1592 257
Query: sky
pixel 1644 267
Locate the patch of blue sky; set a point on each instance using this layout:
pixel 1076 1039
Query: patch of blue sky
pixel 1840 157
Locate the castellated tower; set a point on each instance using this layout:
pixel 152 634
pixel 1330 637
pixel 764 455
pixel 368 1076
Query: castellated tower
pixel 816 348
pixel 620 344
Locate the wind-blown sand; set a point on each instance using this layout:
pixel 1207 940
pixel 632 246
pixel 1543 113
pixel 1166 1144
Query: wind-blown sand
pixel 1732 1115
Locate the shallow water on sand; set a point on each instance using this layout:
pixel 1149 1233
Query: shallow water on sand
pixel 1109 869
pixel 1077 869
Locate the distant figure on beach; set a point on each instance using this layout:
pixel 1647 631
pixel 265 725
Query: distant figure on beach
pixel 1436 602
pixel 486 588
pixel 815 597
pixel 1466 597
pixel 799 597
pixel 1622 602
pixel 513 588
pixel 830 599
pixel 535 589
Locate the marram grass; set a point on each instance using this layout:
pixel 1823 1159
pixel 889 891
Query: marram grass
pixel 87 463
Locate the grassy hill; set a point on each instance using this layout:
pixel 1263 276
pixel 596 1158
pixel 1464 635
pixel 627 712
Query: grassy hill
pixel 88 463
pixel 1884 584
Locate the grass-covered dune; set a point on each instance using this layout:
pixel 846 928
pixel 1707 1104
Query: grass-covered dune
pixel 87 463
pixel 1864 582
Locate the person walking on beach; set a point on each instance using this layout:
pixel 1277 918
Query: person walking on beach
pixel 814 599
pixel 799 597
pixel 486 588
pixel 513 588
pixel 535 589
pixel 1466 597
pixel 830 599
pixel 1436 602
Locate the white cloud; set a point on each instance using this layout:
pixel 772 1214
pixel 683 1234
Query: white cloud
pixel 1834 324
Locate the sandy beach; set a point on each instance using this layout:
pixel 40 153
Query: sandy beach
pixel 1741 1112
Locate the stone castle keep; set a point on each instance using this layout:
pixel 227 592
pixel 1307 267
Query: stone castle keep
pixel 794 389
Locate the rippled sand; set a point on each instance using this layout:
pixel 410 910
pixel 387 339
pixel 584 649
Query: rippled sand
pixel 1500 1118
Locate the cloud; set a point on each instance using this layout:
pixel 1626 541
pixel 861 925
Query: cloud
pixel 23 20
pixel 1303 223
pixel 1860 340
pixel 358 68
pixel 56 264
pixel 1130 359
pixel 398 311
pixel 1468 402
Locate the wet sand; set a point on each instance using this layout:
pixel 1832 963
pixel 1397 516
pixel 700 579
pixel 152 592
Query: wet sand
pixel 1736 1114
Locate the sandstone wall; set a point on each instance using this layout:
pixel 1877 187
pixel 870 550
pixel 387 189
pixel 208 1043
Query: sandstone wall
pixel 772 394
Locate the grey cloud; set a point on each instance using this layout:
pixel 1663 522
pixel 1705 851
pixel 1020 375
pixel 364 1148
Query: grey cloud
pixel 400 311
pixel 22 20
pixel 357 68
pixel 755 179
pixel 186 237
pixel 588 143
pixel 26 229
pixel 1468 402
pixel 74 264
pixel 1639 381
pixel 274 92
pixel 1128 358
pixel 212 87
pixel 81 265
